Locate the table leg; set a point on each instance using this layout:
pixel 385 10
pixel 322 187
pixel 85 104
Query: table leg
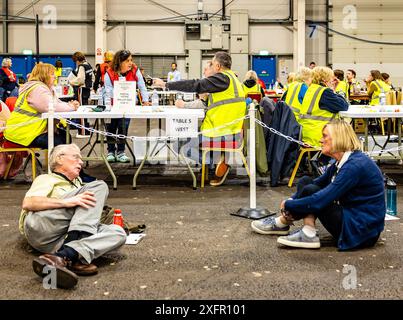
pixel 102 145
pixel 182 157
pixel 142 164
pixel 68 134
pixel 366 134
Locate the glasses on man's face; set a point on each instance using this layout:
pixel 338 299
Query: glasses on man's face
pixel 76 156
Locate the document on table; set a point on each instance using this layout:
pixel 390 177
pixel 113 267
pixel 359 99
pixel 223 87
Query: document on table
pixel 388 217
pixel 134 238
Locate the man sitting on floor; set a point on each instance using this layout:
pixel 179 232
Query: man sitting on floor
pixel 61 218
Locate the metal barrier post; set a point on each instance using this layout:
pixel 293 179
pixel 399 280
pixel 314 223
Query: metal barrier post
pixel 51 129
pixel 253 212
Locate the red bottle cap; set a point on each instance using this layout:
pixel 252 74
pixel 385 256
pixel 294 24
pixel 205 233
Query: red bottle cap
pixel 118 211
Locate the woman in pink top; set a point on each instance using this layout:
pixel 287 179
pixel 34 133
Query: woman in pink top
pixel 35 95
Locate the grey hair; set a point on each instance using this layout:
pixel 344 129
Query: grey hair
pixel 6 62
pixel 57 152
pixel 224 59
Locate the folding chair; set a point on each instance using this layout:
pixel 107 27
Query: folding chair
pixel 232 146
pixel 303 150
pixel 14 147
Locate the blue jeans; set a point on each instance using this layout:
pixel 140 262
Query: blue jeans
pixel 117 126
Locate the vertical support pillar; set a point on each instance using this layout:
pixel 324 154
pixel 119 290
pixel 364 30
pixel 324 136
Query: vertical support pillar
pixel 100 30
pixel 299 34
pixel 5 26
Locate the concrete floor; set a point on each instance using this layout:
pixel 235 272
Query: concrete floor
pixel 194 249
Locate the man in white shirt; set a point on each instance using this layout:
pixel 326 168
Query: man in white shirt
pixel 174 74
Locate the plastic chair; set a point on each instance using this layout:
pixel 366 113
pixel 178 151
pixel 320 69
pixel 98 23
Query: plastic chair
pixel 13 147
pixel 390 100
pixel 255 96
pixel 301 154
pixel 222 146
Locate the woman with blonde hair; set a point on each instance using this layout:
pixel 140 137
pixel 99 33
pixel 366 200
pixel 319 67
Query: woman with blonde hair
pixel 348 199
pixel 250 84
pixel 298 84
pixel 33 100
pixel 320 105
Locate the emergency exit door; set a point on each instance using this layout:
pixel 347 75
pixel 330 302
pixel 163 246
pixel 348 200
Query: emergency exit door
pixel 265 67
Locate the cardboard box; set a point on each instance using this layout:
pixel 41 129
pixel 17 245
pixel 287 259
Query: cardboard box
pixel 359 125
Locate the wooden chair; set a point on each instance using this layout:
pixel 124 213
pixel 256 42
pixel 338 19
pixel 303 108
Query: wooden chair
pixel 222 146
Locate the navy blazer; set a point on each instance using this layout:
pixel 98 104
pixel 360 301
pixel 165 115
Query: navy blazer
pixel 359 188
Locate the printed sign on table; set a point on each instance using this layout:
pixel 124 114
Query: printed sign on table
pixel 181 126
pixel 124 95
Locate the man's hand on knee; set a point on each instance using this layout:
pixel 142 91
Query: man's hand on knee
pixel 85 199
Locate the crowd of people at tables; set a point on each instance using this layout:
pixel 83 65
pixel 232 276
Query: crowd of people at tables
pixel 348 198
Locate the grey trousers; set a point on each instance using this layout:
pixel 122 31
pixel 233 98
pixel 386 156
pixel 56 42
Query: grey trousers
pixel 46 230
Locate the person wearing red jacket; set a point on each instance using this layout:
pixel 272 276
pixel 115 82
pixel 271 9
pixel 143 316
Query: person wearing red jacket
pixel 8 80
pixel 122 67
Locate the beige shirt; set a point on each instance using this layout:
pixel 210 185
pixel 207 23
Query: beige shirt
pixel 51 186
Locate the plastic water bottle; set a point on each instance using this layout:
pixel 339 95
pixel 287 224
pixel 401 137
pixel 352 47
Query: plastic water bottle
pixel 382 98
pixel 117 217
pixel 154 100
pixel 391 197
pixel 108 103
pixel 100 98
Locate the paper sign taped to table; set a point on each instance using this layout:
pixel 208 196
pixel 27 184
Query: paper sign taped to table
pixel 181 126
pixel 124 95
pixel 189 96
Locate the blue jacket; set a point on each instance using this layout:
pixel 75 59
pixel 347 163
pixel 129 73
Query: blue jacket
pixel 359 189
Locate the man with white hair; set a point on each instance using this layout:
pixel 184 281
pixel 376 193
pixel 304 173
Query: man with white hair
pixel 61 218
pixel 8 80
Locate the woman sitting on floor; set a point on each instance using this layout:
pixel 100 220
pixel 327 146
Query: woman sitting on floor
pixel 348 199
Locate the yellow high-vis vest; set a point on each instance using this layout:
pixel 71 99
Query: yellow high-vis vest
pixel 312 118
pixel 254 89
pixel 24 113
pixel 58 73
pixel 224 107
pixel 381 86
pixel 342 89
pixel 291 98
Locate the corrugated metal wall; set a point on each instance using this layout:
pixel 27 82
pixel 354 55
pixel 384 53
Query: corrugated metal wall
pixel 371 20
pixel 376 20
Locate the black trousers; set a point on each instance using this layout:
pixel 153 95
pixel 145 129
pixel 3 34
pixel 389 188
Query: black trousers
pixel 41 141
pixel 331 217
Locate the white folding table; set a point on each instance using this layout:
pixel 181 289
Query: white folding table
pixel 377 112
pixel 143 112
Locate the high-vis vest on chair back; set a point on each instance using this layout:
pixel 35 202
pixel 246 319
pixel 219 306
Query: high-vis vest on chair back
pixel 224 107
pixel 24 113
pixel 312 118
pixel 291 98
pixel 381 86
